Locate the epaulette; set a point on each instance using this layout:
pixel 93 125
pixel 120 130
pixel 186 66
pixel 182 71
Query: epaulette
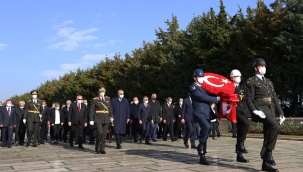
pixel 249 80
pixel 29 101
pixel 96 98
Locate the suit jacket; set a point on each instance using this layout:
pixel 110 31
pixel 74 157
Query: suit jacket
pixel 7 120
pixel 31 106
pixel 168 113
pixel 242 108
pixel 65 114
pixel 45 114
pixel 134 109
pixel 187 110
pixel 76 117
pixel 53 116
pixel 201 101
pixel 144 113
pixel 19 115
pixel 178 111
pixel 155 110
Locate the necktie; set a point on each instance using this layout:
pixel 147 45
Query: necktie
pixel 263 79
pixel 9 111
pixel 146 106
pixel 168 106
pixel 79 107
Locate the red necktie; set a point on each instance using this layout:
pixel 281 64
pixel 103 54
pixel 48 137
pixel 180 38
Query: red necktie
pixel 146 106
pixel 79 107
pixel 168 106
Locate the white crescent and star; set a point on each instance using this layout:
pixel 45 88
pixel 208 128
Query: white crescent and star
pixel 215 85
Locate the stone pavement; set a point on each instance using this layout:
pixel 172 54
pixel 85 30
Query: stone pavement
pixel 160 156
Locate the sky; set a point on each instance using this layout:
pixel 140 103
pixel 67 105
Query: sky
pixel 42 40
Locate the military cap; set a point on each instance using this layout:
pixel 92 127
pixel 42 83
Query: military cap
pixel 34 92
pixel 102 89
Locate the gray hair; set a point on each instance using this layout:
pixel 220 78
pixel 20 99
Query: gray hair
pixel 22 102
pixel 68 101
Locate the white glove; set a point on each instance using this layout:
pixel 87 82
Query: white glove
pixel 218 98
pixel 259 113
pixel 24 121
pixel 214 120
pixel 111 119
pixel 91 122
pixel 40 115
pixel 282 119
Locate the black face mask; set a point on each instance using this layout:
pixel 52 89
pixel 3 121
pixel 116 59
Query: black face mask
pixel 153 98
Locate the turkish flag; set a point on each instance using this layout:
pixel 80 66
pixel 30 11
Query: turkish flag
pixel 217 84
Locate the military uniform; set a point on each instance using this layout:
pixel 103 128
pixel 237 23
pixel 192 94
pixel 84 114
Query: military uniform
pixel 263 97
pixel 33 109
pixel 100 113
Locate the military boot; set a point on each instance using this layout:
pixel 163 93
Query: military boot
pixel 268 158
pixel 267 167
pixel 200 149
pixel 240 158
pixel 240 148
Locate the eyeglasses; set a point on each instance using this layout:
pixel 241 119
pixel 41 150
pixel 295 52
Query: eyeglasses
pixel 79 99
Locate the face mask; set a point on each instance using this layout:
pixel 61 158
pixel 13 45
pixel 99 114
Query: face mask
pixel 57 108
pixel 200 80
pixel 146 101
pixel 237 79
pixel 121 96
pixel 0 104
pixel 53 106
pixel 212 106
pixel 9 105
pixel 34 96
pixel 21 107
pixel 79 101
pixel 180 103
pixel 169 102
pixel 102 94
pixel 262 70
pixel 136 102
pixel 85 104
pixel 153 98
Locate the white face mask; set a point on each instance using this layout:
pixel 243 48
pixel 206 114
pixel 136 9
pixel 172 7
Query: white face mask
pixel 102 94
pixel 34 96
pixel 9 105
pixel 121 96
pixel 237 79
pixel 79 101
pixel 169 103
pixel 136 102
pixel 146 101
pixel 180 103
pixel 212 106
pixel 200 80
pixel 57 108
pixel 21 107
pixel 262 70
pixel 85 104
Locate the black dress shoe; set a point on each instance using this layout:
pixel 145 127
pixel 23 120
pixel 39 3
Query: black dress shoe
pixel 102 152
pixel 194 147
pixel 46 139
pixel 240 158
pixel 173 140
pixel 71 145
pixel 35 145
pixel 42 143
pixel 164 139
pixel 119 147
pixel 147 142
pixel 140 141
pixel 27 144
pixel 268 167
pixel 204 161
pixel 9 146
pixel 81 147
pixel 186 145
pixel 154 140
pixel 135 141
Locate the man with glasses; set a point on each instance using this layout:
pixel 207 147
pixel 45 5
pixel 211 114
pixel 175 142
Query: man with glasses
pixel 77 119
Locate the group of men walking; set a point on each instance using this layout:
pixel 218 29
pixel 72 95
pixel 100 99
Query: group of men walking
pixel 257 99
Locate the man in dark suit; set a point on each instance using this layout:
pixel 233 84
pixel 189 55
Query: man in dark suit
pixel 32 113
pixel 145 119
pixel 8 123
pixel 201 111
pixel 86 129
pixel 45 121
pixel 157 116
pixel 66 128
pixel 20 126
pixel 134 119
pixel 178 125
pixel 100 113
pixel 121 115
pixel 187 118
pixel 77 119
pixel 168 119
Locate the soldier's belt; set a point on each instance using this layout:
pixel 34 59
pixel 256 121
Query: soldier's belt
pixel 101 111
pixel 33 111
pixel 265 99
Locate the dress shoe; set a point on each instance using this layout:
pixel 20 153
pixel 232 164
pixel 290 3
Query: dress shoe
pixel 76 143
pixel 140 141
pixel 147 142
pixel 45 139
pixel 267 167
pixel 219 135
pixel 65 141
pixel 186 145
pixel 119 147
pixel 215 138
pixel 21 144
pixel 194 147
pixel 102 152
pixel 240 158
pixel 9 146
pixel 173 140
pixel 27 144
pixel 17 144
pixel 71 145
pixel 42 143
pixel 34 145
pixel 204 161
pixel 135 141
pixel 154 140
pixel 81 147
pixel 164 139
